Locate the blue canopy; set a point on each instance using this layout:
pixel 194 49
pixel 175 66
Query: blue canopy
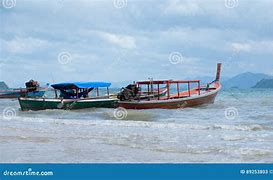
pixel 79 85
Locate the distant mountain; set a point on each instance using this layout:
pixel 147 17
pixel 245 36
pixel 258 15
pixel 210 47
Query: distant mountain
pixel 245 80
pixel 3 86
pixel 264 83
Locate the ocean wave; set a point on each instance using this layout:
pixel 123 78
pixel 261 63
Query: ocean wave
pixel 247 152
pixel 252 127
pixel 147 124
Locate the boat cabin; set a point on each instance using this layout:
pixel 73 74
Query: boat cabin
pixel 77 90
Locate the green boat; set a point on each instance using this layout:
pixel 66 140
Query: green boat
pixel 70 96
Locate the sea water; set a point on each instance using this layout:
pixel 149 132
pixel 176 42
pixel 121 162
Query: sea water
pixel 238 127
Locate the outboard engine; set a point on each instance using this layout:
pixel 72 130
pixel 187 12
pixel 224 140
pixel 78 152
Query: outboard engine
pixel 129 93
pixel 32 85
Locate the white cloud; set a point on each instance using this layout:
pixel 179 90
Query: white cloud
pixel 24 45
pixel 183 8
pixel 238 47
pixel 123 41
pixel 253 47
pixel 265 46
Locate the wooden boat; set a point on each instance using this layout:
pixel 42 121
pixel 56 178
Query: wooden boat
pixel 180 99
pixel 32 89
pixel 15 93
pixel 72 96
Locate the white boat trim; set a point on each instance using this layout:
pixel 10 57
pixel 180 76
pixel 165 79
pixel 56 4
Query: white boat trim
pixel 65 100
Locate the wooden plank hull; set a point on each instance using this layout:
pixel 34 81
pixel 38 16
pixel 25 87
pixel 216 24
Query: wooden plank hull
pixel 10 94
pixel 15 94
pixel 207 98
pixel 70 104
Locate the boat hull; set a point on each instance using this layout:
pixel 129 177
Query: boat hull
pixel 10 94
pixel 171 103
pixel 16 94
pixel 69 104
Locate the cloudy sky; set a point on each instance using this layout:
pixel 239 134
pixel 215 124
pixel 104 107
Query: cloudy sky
pixel 120 40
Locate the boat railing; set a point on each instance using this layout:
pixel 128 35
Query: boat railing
pixel 168 84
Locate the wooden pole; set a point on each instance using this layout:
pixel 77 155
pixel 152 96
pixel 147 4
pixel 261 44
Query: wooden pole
pixel 98 92
pixel 108 91
pixel 139 87
pixel 168 89
pixel 199 88
pixel 178 89
pixel 158 91
pixel 218 73
pixel 189 89
pixel 152 87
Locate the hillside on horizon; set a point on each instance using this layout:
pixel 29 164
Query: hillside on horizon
pixel 245 80
pixel 3 86
pixel 264 83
